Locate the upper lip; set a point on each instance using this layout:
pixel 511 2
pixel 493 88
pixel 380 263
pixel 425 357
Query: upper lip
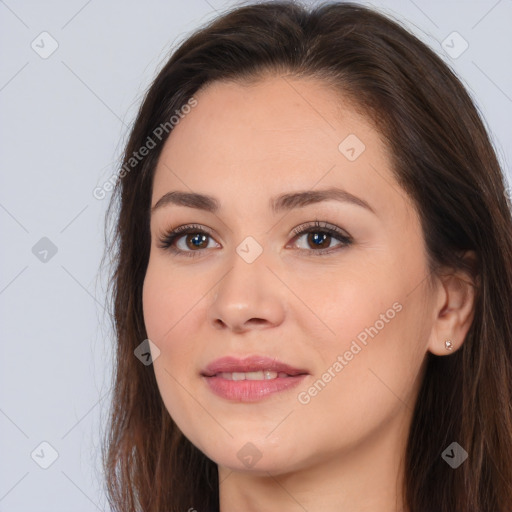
pixel 249 364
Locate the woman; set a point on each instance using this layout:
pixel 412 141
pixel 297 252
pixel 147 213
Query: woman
pixel 312 252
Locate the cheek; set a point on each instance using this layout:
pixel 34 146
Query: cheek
pixel 345 304
pixel 371 346
pixel 361 387
pixel 168 301
pixel 168 307
pixel 371 372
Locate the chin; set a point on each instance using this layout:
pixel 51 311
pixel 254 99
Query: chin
pixel 255 458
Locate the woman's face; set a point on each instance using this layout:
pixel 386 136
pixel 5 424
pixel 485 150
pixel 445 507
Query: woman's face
pixel 345 303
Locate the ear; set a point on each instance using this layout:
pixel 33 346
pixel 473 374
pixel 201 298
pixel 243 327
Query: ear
pixel 454 309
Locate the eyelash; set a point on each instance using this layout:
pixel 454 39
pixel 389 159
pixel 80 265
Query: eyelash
pixel 167 240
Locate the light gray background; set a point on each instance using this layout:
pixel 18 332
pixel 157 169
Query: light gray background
pixel 63 123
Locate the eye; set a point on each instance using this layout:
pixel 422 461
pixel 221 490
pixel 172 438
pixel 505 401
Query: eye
pixel 189 240
pixel 319 235
pixel 195 238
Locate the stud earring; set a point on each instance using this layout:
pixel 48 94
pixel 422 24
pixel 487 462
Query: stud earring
pixel 448 345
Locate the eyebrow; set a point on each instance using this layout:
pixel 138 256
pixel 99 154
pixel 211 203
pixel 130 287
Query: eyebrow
pixel 284 202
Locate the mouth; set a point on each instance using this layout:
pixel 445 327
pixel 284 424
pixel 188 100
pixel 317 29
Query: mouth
pixel 251 379
pixel 255 375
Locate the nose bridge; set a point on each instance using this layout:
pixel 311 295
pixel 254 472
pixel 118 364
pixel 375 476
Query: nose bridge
pixel 248 294
pixel 248 266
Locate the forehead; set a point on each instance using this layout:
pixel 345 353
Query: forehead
pixel 279 134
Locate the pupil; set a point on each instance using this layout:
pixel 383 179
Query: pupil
pixel 318 240
pixel 199 238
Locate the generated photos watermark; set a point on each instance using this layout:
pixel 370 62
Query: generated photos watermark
pixel 158 134
pixel 342 360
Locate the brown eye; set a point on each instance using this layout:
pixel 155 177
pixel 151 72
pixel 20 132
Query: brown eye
pixel 188 240
pixel 319 236
pixel 191 240
pixel 196 241
pixel 319 239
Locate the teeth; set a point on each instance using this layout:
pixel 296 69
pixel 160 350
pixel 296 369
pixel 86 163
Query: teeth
pixel 261 375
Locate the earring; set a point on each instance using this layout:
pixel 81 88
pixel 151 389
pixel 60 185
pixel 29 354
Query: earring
pixel 448 345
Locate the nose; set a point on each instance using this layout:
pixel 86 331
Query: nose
pixel 248 296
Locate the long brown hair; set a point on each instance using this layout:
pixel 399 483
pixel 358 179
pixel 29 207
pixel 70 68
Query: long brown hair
pixel 443 159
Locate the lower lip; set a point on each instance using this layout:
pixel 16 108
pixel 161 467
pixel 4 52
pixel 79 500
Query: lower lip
pixel 251 390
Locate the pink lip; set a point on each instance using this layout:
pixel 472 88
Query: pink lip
pixel 250 390
pixel 249 364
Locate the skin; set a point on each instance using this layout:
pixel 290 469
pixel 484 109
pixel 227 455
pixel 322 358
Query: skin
pixel 343 450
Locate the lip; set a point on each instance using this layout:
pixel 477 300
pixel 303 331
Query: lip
pixel 249 364
pixel 250 390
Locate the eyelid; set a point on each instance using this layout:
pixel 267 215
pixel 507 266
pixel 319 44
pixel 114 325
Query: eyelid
pixel 321 226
